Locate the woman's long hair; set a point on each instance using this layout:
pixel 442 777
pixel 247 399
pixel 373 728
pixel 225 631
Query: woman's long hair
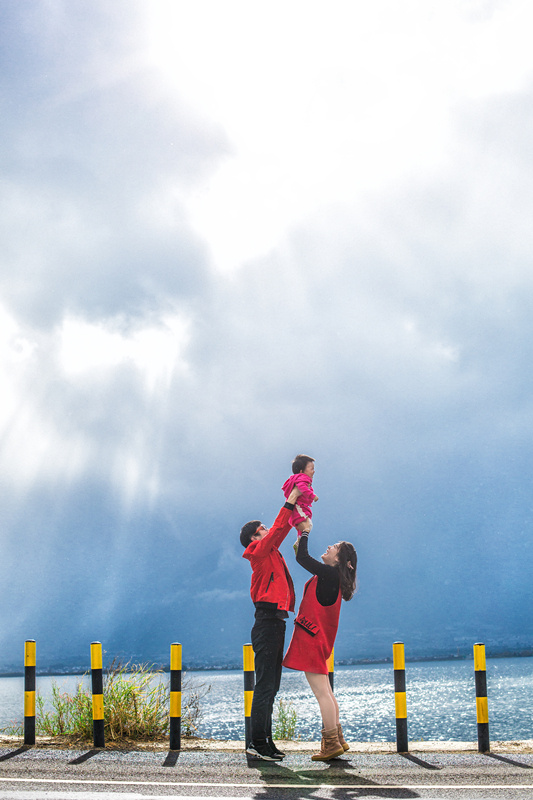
pixel 347 566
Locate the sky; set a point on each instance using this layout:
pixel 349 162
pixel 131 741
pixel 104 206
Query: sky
pixel 234 232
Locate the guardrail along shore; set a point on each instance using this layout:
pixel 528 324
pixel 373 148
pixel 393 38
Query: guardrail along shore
pixel 399 680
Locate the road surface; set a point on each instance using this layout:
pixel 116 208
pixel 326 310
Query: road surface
pixel 42 773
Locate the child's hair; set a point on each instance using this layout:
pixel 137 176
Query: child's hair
pixel 347 566
pixel 300 463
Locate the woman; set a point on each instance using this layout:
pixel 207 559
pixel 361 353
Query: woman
pixel 315 629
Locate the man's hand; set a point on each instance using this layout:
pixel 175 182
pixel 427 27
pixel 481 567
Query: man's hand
pixel 294 495
pixel 315 498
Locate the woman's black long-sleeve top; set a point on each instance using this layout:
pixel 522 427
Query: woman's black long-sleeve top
pixel 327 589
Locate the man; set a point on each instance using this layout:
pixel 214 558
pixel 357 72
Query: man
pixel 272 593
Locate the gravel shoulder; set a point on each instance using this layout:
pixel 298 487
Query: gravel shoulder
pixel 219 745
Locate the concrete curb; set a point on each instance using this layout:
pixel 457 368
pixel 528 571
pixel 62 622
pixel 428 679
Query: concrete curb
pixel 219 745
pixel 367 747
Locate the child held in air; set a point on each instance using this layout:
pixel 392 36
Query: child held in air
pixel 303 468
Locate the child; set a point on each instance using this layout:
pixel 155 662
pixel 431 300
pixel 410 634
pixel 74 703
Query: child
pixel 303 468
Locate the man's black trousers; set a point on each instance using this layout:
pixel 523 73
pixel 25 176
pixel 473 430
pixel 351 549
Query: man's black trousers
pixel 268 641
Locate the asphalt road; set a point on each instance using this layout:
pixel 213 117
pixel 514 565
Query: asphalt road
pixel 50 774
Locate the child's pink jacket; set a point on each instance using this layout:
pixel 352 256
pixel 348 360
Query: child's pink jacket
pixel 302 509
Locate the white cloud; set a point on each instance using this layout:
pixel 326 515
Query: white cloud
pixel 52 407
pixel 369 165
pixel 214 596
pixel 34 448
pixel 157 351
pixel 324 108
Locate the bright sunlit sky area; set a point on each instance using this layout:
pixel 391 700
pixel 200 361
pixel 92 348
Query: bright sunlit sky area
pixel 237 231
pixel 326 104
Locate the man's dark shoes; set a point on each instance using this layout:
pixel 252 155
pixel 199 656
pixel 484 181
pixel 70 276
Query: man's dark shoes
pixel 263 750
pixel 274 749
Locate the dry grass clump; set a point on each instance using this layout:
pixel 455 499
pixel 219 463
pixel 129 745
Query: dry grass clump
pixel 136 707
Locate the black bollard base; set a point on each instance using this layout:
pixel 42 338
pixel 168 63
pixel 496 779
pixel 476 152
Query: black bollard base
pixel 29 730
pixel 402 742
pixel 483 738
pixel 175 733
pixel 98 733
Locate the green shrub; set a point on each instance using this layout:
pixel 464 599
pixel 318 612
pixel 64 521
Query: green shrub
pixel 70 715
pixel 136 707
pixel 285 720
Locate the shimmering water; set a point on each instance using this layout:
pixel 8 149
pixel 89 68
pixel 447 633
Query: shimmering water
pixel 440 701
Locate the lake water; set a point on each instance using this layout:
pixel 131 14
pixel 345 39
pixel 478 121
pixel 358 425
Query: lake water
pixel 440 701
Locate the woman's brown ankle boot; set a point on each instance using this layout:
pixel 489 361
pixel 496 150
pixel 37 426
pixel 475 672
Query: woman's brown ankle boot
pixel 330 748
pixel 343 743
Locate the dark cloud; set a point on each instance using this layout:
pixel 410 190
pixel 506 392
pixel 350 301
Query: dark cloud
pixel 389 339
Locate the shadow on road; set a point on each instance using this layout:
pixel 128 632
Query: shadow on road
pixel 14 753
pixel 508 761
pixel 340 774
pixel 85 757
pixel 419 761
pixel 172 758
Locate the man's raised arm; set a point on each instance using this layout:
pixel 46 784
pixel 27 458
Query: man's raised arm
pixel 281 526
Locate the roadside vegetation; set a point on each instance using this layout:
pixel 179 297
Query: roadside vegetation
pixel 136 703
pixel 285 720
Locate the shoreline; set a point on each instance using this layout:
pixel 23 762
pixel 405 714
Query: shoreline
pixel 289 746
pixel 343 662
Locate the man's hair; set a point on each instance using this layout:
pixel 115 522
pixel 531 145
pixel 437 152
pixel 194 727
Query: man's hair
pixel 300 463
pixel 248 530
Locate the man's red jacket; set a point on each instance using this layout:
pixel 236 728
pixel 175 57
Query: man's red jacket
pixel 271 580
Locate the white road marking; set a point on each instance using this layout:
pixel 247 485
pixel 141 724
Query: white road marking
pixel 362 785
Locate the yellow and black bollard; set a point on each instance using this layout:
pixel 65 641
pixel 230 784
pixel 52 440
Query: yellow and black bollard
pixel 400 697
pixel 482 703
pixel 331 667
pixel 175 696
pixel 249 683
pixel 29 691
pixel 98 694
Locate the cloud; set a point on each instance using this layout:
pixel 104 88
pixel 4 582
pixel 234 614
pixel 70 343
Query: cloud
pixel 207 269
pixel 220 596
pixel 97 164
